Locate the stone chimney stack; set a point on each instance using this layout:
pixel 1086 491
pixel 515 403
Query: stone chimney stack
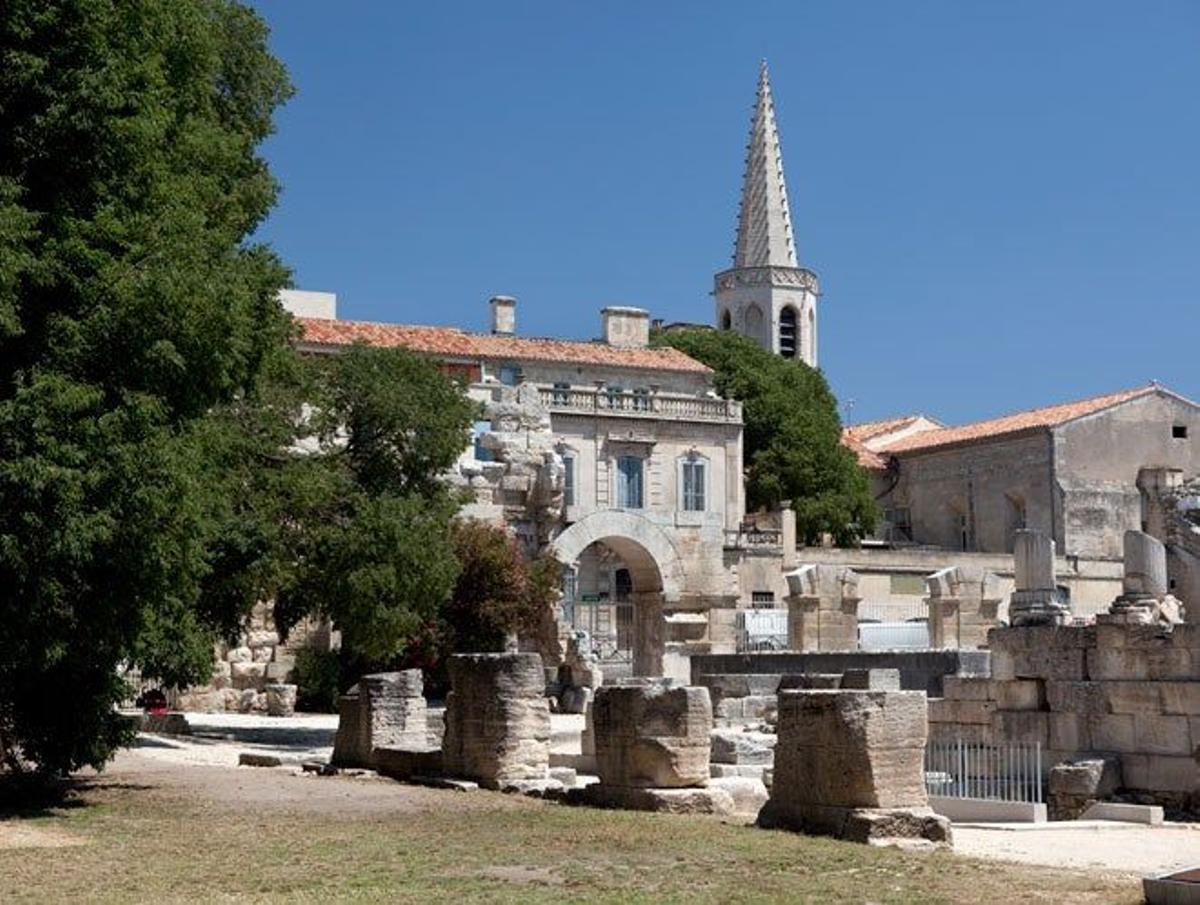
pixel 627 327
pixel 504 314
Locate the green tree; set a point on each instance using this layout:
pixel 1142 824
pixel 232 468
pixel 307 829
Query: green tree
pixel 131 304
pixel 792 439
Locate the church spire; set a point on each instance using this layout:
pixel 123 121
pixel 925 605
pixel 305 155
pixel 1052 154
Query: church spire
pixel 764 235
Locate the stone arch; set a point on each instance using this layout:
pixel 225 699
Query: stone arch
pixel 647 550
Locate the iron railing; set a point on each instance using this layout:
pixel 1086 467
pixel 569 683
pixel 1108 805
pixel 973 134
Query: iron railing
pixel 761 630
pixel 1008 772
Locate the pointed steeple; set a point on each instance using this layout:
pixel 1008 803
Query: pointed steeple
pixel 764 236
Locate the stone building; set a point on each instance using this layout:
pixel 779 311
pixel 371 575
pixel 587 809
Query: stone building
pixel 614 455
pixel 1081 472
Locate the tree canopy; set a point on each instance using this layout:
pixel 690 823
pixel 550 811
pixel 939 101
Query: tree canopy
pixel 131 303
pixel 792 441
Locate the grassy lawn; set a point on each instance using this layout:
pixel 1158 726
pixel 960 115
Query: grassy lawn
pixel 147 842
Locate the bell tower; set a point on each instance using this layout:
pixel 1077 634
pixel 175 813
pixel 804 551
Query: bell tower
pixel 767 295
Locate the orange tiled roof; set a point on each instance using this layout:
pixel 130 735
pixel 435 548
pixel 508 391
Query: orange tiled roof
pixel 868 430
pixel 867 458
pixel 453 343
pixel 1051 416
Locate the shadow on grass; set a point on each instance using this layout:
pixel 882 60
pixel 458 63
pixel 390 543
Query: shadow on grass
pixel 25 796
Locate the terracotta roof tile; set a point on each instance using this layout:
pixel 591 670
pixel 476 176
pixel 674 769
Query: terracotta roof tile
pixel 871 429
pixel 868 459
pixel 453 343
pixel 1051 416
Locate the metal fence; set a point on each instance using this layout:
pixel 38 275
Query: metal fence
pixel 1010 772
pixel 761 630
pixel 893 625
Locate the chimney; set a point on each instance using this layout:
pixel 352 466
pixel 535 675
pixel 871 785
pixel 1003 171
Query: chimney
pixel 626 327
pixel 504 314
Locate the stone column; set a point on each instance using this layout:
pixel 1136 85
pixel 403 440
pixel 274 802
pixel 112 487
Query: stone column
pixel 1145 589
pixel 1035 600
pixel 787 535
pixel 822 607
pixel 649 634
pixel 497 719
pixel 963 602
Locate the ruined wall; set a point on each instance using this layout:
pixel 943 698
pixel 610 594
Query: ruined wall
pixel 1128 691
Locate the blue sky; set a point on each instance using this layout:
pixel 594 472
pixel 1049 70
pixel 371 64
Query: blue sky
pixel 1002 200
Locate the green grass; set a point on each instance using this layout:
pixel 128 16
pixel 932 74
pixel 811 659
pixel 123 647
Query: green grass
pixel 169 845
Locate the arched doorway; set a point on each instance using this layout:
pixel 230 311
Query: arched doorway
pixel 624 568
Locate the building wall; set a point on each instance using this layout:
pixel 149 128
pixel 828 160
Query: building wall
pixel 1097 460
pixel 995 487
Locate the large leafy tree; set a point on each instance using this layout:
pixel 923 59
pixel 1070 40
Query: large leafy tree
pixel 131 304
pixel 792 439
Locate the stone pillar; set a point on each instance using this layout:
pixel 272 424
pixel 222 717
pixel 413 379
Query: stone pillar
pixel 963 602
pixel 649 634
pixel 822 607
pixel 1035 600
pixel 851 764
pixel 384 710
pixel 497 719
pixel 1145 590
pixel 787 535
pixel 652 736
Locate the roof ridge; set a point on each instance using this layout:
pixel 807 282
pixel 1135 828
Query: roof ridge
pixel 1129 393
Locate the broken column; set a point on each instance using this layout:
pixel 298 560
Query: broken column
pixel 579 675
pixel 963 602
pixel 652 749
pixel 384 710
pixel 649 634
pixel 850 764
pixel 1145 590
pixel 822 607
pixel 497 720
pixel 1035 600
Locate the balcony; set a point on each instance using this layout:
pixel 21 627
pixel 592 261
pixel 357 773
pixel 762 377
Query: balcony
pixel 653 406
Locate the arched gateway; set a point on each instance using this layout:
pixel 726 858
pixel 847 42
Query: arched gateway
pixel 654 567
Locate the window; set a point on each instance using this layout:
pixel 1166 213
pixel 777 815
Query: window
pixel 1179 431
pixel 762 600
pixel 629 482
pixel 623 584
pixel 510 375
pixel 641 399
pixel 900 520
pixel 726 320
pixel 614 396
pixel 561 395
pixel 787 332
pixel 478 429
pixel 692 479
pixel 568 480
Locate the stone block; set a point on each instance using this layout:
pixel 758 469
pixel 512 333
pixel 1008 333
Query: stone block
pixel 278 672
pixel 810 681
pixel 248 675
pixel 969 688
pixel 1020 694
pixel 1180 697
pixel 1022 726
pixel 1112 732
pixel 239 655
pixel 734 747
pixel 261 638
pixel 652 736
pixel 498 719
pixel 382 710
pixel 850 749
pixel 1159 773
pixel 1096 777
pixel 749 795
pixel 1068 732
pixel 1156 734
pixel 281 700
pixel 694 800
pixel 871 679
pixel 405 763
pixel 1134 697
pixel 262 654
pixel 864 825
pixel 166 724
pixel 1077 697
pixel 942 710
